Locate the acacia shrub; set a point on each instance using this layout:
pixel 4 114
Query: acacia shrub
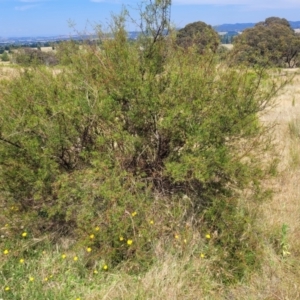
pixel 138 139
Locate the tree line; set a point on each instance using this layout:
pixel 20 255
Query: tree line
pixel 271 42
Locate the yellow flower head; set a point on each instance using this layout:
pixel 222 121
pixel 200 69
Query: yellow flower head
pixel 151 222
pixel 207 236
pixel 89 249
pixel 24 234
pixel 121 238
pixel 97 228
pixel 5 252
pixel 129 242
pixel 75 258
pixel 105 267
pixel 184 241
pixel 95 272
pixel 31 279
pixel 46 279
pixel 92 236
pixel 21 261
pixel 202 255
pixel 134 214
pixel 7 288
pixel 176 236
pixel 63 256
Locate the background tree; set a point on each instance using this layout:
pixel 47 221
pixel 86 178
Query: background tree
pixel 199 34
pixel 270 42
pixel 5 56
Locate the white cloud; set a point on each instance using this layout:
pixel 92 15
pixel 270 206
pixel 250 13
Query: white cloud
pixel 32 1
pixel 112 1
pixel 25 7
pixel 249 3
pixel 31 4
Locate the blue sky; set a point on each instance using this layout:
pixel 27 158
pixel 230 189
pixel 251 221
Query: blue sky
pixel 50 17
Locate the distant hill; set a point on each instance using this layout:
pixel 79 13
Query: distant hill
pixel 233 27
pixel 243 26
pixel 295 24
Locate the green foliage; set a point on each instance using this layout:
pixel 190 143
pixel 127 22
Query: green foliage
pixel 236 248
pixel 272 42
pixel 66 51
pixel 136 139
pixel 200 34
pixel 5 56
pixel 222 52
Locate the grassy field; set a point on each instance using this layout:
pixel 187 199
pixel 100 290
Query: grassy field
pixel 44 268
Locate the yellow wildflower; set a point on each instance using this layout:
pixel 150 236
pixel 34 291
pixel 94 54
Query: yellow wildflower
pixel 95 272
pixel 7 288
pixel 89 249
pixel 21 261
pixel 121 238
pixel 129 242
pixel 46 279
pixel 24 234
pixel 31 279
pixel 202 255
pixel 176 236
pixel 105 267
pixel 63 256
pixel 5 252
pixel 92 236
pixel 97 228
pixel 151 222
pixel 75 258
pixel 207 236
pixel 134 214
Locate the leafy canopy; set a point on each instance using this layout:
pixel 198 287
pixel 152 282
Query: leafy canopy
pixel 270 42
pixel 200 34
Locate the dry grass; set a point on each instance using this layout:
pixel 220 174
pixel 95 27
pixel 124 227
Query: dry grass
pixel 280 275
pixel 7 71
pixel 10 71
pixel 228 46
pixel 45 49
